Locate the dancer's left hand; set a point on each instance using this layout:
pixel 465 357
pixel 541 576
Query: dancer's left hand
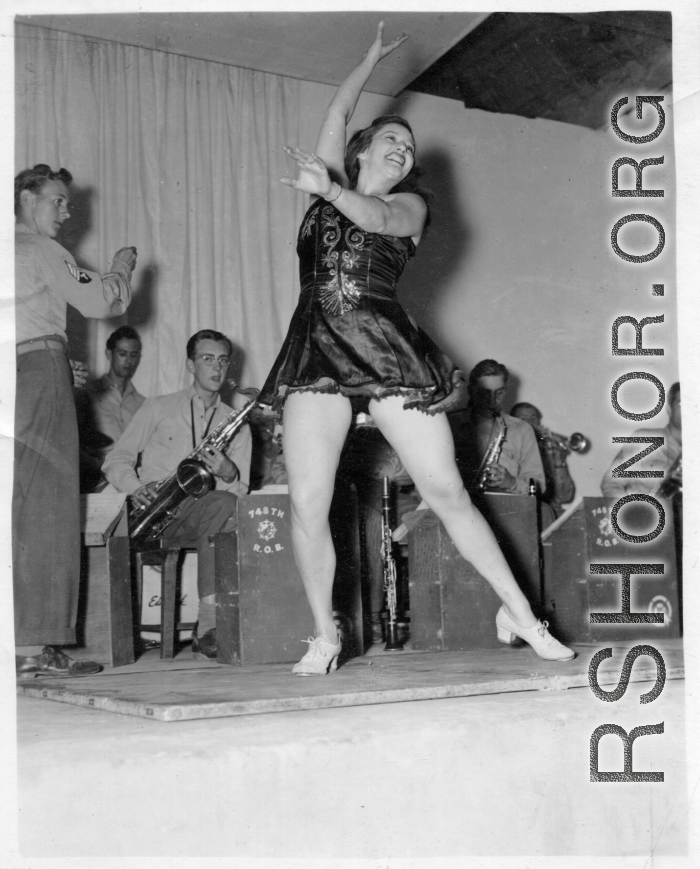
pixel 313 175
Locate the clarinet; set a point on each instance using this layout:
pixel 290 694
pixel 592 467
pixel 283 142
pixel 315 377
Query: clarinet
pixel 392 633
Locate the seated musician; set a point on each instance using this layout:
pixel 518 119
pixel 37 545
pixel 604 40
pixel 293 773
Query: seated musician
pixel 476 429
pixel 666 458
pixel 164 431
pixel 554 451
pixel 107 405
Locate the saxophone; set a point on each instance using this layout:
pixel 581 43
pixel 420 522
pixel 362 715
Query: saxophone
pixel 492 454
pixel 190 479
pixel 672 483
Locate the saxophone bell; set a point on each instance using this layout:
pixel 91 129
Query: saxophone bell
pixel 193 478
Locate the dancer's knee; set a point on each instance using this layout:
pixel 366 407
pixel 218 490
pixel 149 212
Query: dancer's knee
pixel 448 500
pixel 310 507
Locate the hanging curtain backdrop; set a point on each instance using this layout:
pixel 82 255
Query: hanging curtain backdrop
pixel 181 158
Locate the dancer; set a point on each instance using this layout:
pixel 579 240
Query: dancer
pixel 351 347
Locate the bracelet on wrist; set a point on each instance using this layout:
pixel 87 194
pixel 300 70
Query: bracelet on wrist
pixel 337 196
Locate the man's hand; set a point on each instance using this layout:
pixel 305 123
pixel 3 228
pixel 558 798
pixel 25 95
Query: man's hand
pixel 498 478
pixel 146 494
pixel 218 463
pixel 80 372
pixel 127 256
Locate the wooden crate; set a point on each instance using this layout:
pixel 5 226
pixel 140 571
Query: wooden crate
pixel 105 626
pixel 262 612
pixel 571 592
pixel 452 605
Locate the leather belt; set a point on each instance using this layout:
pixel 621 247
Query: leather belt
pixel 44 342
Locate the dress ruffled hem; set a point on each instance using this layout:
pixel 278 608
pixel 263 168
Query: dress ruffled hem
pixel 415 398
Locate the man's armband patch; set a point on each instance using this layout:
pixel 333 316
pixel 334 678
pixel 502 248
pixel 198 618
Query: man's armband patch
pixel 80 275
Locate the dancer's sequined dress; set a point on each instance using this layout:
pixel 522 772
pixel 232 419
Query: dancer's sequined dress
pixel 349 334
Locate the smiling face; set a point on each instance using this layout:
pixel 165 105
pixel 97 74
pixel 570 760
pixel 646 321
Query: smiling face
pixel 44 211
pixel 209 378
pixel 391 153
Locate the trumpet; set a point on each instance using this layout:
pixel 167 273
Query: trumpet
pixel 576 443
pixel 191 479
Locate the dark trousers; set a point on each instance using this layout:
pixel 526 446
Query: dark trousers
pixel 201 519
pixel 45 502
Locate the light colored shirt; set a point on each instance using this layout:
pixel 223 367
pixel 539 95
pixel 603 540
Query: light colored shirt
pixel 160 434
pixel 112 410
pixel 658 460
pixel 520 455
pixel 47 280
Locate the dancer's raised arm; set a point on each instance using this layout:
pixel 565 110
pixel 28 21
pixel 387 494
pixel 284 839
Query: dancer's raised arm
pixel 378 159
pixel 330 146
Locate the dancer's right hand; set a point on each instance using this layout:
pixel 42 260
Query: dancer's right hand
pixel 313 175
pixel 378 49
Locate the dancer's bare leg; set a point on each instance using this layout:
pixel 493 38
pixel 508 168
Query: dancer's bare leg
pixel 425 446
pixel 315 428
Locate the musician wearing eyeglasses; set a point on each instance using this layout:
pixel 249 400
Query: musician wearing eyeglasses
pixel 164 431
pixel 494 451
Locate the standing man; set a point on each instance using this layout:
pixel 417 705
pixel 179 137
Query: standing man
pixel 475 428
pixel 106 406
pixel 46 503
pixel 163 432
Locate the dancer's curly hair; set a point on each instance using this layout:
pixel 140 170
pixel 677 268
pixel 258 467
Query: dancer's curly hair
pixel 362 139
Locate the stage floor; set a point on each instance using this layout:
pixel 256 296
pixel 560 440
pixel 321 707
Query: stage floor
pixel 495 775
pixel 185 689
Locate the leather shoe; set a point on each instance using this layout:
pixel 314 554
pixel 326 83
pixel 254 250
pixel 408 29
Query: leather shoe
pixel 205 646
pixel 321 659
pixel 53 662
pixel 542 642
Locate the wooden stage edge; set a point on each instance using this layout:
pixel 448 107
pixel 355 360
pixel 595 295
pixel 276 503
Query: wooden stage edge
pixel 180 693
